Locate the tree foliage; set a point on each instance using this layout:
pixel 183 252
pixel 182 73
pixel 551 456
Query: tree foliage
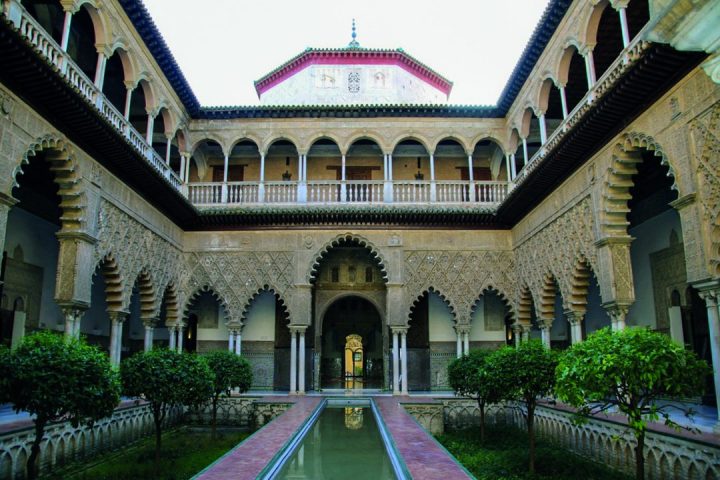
pixel 230 371
pixel 473 376
pixel 166 379
pixel 629 371
pixel 53 378
pixel 528 373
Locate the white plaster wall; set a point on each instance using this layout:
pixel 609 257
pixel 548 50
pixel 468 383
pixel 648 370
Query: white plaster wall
pixel 213 310
pixel 478 333
pixel 40 247
pixel 650 236
pixel 260 319
pixel 96 320
pixel 307 87
pixel 440 319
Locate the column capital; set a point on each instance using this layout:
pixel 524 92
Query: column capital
pixel 150 322
pixel 519 328
pixel 118 316
pixel 399 330
pixel 462 328
pixel 298 328
pixel 617 311
pixel 709 292
pixel 574 317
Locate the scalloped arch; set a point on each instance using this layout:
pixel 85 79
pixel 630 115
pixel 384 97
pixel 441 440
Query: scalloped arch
pixel 257 293
pixel 346 239
pixel 114 283
pixel 63 164
pixel 489 287
pixel 199 291
pixel 618 180
pixel 147 292
pixel 429 290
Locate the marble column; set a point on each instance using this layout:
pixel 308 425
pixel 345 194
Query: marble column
pixel 624 27
pixel 543 129
pixel 617 315
pixel 710 293
pixel 590 68
pixel 458 347
pixel 403 361
pixel 466 341
pixel 128 100
pixel 293 361
pixel 171 331
pixel 396 363
pixel 563 102
pixel 181 337
pixel 100 71
pixel 301 361
pixel 149 333
pixel 545 333
pixel 575 320
pixel 231 340
pixel 116 322
pixel 66 31
pixel 526 160
pixel 238 342
pixel 73 317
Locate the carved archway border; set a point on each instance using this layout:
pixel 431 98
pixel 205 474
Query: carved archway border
pixel 171 300
pixel 265 288
pixel 525 305
pixel 504 297
pixel 616 190
pixel 114 284
pixel 199 291
pixel 428 290
pixel 341 240
pixel 364 295
pixel 147 293
pixel 73 201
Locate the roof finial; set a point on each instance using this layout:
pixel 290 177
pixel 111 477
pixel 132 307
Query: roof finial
pixel 353 43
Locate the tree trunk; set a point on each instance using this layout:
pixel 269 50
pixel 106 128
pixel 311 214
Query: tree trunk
pixel 482 421
pixel 214 416
pixel 531 435
pixel 640 456
pixel 32 462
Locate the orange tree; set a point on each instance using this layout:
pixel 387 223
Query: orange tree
pixel 229 371
pixel 627 372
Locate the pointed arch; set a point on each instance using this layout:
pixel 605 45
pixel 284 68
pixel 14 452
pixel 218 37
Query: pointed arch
pixel 265 289
pixel 619 179
pixel 148 297
pixel 114 284
pixel 64 166
pixel 347 239
pixel 199 291
pixel 427 291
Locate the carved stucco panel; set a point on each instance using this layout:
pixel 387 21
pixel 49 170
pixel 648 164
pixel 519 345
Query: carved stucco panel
pixel 459 276
pixel 706 132
pixel 555 249
pixel 236 276
pixel 135 248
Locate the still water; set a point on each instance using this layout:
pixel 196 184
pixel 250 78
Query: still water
pixel 343 443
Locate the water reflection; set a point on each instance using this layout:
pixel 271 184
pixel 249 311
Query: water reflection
pixel 353 418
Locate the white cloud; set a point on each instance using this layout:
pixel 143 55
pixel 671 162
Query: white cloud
pixel 223 45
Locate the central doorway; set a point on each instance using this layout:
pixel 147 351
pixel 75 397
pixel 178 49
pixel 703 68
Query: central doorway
pixel 352 345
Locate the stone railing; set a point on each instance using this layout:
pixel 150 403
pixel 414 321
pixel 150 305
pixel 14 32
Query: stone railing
pixel 64 443
pixel 243 412
pixel 323 192
pixel 46 46
pixel 627 58
pixel 667 456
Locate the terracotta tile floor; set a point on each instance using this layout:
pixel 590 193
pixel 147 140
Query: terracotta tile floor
pixel 250 457
pixel 425 459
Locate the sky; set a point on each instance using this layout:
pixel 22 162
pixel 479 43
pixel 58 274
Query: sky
pixel 222 46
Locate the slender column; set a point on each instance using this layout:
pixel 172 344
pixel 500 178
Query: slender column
pixel 525 334
pixel 590 68
pixel 150 127
pixel 293 360
pixel 168 146
pixel 513 167
pixel 525 152
pixel 470 168
pixel 390 166
pixel 543 129
pixel 403 359
pixel 231 340
pixel 517 330
pixel 343 179
pixel 575 319
pixel 182 169
pixel 396 363
pixel 116 322
pixel 563 102
pixel 149 333
pixel 187 168
pixel 225 168
pixel 545 333
pixel 711 303
pixel 466 341
pixel 617 315
pixel 128 102
pixel 238 342
pixel 100 71
pixel 181 336
pixel 66 31
pixel 73 316
pixel 388 188
pixel 300 168
pixel 507 166
pixel 224 188
pixel 458 346
pixel 301 186
pixel 624 27
pixel 172 330
pixel 304 157
pixel 301 361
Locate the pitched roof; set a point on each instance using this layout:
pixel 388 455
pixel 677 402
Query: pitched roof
pixel 355 56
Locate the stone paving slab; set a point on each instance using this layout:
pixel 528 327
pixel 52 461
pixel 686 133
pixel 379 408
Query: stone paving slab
pixel 424 457
pixel 248 459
